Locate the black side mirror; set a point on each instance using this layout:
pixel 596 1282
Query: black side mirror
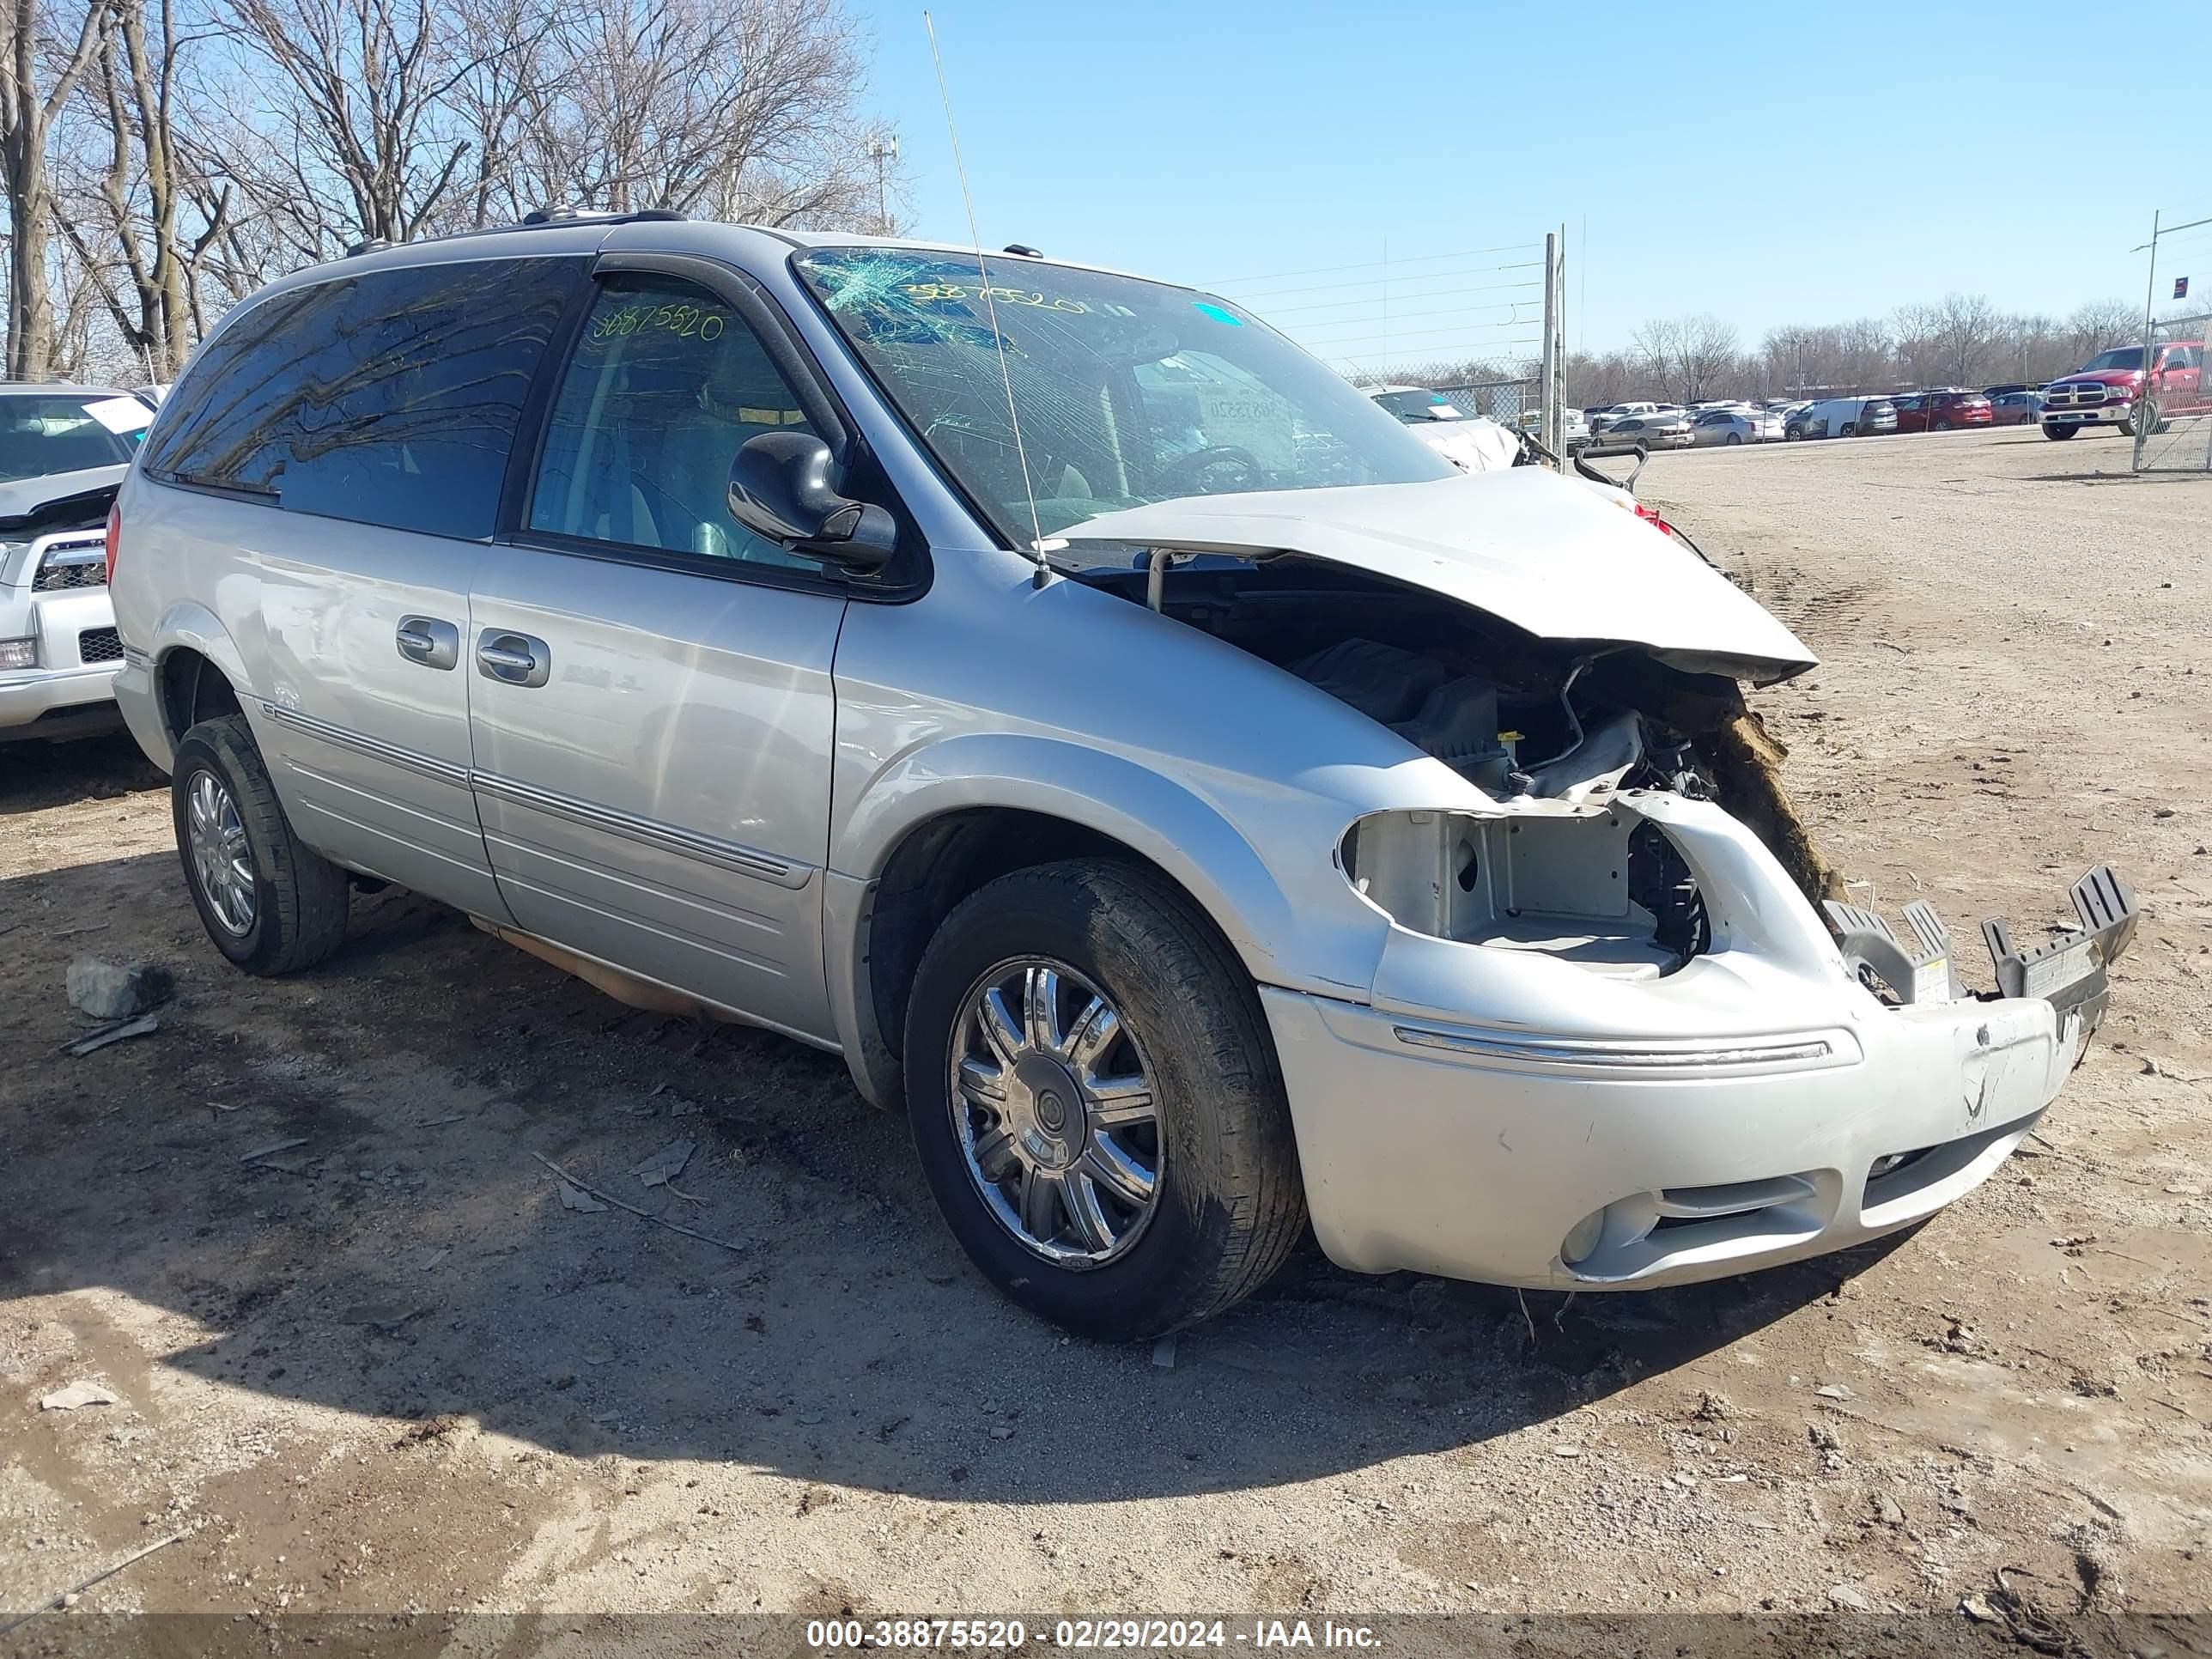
pixel 780 489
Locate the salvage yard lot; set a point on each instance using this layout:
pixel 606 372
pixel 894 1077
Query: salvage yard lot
pixel 386 1368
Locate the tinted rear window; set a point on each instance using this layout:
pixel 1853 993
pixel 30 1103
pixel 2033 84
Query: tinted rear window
pixel 389 399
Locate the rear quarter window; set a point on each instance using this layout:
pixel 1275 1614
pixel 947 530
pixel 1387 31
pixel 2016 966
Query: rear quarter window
pixel 390 398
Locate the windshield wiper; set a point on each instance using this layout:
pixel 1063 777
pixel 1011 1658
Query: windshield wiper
pixel 259 492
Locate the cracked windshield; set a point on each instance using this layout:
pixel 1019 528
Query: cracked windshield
pixel 1129 391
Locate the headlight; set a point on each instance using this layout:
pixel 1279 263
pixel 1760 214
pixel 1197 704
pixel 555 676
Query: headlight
pixel 20 653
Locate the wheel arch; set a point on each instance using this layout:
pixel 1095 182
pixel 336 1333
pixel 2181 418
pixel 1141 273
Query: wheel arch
pixel 199 673
pixel 931 833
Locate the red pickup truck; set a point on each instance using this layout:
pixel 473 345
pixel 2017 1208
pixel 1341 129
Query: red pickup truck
pixel 2108 390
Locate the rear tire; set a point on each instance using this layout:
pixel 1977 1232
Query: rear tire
pixel 2057 434
pixel 1225 1204
pixel 1735 438
pixel 270 903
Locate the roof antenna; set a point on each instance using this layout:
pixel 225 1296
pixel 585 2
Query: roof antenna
pixel 990 308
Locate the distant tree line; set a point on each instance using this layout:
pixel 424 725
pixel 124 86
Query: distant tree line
pixel 162 159
pixel 1962 340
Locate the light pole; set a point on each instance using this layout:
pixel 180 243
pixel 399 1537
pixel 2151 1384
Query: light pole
pixel 882 152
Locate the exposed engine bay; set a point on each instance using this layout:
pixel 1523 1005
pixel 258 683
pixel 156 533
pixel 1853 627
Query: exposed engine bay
pixel 1521 718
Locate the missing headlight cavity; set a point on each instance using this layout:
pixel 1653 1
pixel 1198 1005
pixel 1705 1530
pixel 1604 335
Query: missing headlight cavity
pixel 1606 891
pixel 1660 881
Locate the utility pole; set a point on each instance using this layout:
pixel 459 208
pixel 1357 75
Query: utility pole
pixel 882 152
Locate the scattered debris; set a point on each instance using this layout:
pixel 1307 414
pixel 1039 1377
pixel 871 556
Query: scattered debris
pixel 75 932
pixel 2153 1067
pixel 1835 1391
pixel 1888 1510
pixel 1978 1610
pixel 1566 1451
pixel 441 1122
pixel 217 1106
pixel 686 1109
pixel 273 1147
pixel 1713 1407
pixel 68 1597
pixel 2030 1624
pixel 735 1244
pixel 430 1428
pixel 1163 1352
pixel 100 1037
pixel 574 1197
pixel 665 1166
pixel 1002 1431
pixel 108 990
pixel 1850 1597
pixel 78 1395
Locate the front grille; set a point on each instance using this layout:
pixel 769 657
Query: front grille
pixel 53 578
pixel 2074 397
pixel 72 564
pixel 97 645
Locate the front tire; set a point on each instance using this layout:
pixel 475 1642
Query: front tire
pixel 270 903
pixel 2059 433
pixel 1096 1101
pixel 1735 438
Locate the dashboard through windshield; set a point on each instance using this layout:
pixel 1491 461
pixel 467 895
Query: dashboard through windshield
pixel 1129 391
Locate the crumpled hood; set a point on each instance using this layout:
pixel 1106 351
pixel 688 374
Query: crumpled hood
pixel 21 499
pixel 1535 550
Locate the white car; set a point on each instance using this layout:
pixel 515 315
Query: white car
pixel 1531 421
pixel 64 450
pixel 1472 443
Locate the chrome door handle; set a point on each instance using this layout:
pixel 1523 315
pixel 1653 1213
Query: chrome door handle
pixel 426 640
pixel 513 659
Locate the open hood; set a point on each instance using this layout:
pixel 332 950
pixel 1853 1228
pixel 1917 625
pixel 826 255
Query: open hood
pixel 58 500
pixel 1552 557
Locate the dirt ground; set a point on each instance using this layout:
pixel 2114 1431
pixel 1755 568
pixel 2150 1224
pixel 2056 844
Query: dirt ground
pixel 386 1369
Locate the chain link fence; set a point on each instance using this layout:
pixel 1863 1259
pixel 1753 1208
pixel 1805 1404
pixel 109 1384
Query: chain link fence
pixel 1504 393
pixel 2180 439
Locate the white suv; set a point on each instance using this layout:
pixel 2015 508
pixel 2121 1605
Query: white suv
pixel 63 450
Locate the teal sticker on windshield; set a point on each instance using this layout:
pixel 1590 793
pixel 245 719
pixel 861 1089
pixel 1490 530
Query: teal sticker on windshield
pixel 1219 314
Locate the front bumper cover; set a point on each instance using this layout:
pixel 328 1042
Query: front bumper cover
pixel 1577 1161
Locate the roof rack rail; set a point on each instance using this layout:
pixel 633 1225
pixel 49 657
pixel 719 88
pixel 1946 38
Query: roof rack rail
pixel 537 219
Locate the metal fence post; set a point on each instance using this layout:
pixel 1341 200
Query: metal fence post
pixel 1551 421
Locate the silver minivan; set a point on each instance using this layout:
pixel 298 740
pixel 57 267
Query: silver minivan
pixel 1196 804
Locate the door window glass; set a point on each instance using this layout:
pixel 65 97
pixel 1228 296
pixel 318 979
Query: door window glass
pixel 667 383
pixel 389 399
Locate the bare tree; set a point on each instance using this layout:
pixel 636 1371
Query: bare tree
pixel 128 211
pixel 357 138
pixel 38 71
pixel 1689 356
pixel 741 108
pixel 2102 323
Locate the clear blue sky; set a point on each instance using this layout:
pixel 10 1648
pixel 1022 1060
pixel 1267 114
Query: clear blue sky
pixel 1802 161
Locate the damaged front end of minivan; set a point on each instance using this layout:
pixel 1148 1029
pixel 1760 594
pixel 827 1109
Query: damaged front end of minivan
pixel 1619 963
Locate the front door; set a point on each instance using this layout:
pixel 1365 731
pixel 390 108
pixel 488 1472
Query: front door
pixel 652 703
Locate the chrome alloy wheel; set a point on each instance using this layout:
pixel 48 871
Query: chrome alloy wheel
pixel 1053 1105
pixel 221 855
